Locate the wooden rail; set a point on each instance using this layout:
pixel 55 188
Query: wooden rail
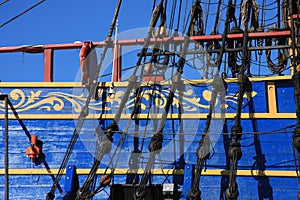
pixel 48 49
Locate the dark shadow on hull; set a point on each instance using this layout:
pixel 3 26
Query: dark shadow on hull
pixel 20 121
pixel 225 178
pixel 42 157
pixel 265 190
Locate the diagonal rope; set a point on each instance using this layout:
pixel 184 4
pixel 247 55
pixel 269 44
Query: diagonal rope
pixel 84 111
pixel 22 13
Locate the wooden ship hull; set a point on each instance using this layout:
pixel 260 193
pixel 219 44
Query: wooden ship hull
pixel 238 142
pixel 266 169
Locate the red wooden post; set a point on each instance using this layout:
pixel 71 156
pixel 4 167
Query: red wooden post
pixel 48 65
pixel 296 16
pixel 117 63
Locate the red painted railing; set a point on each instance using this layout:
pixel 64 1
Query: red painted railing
pixel 48 49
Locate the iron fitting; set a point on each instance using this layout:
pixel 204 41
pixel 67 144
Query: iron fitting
pixel 232 192
pixel 156 142
pixel 296 138
pixel 235 151
pixel 194 195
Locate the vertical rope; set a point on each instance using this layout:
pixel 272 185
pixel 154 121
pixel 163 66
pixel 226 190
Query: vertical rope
pixel 179 12
pixel 235 152
pixel 84 111
pixel 173 9
pixel 294 60
pixel 154 4
pixel 155 144
pixel 217 16
pixel 184 18
pixel 224 36
pixel 113 23
pixel 206 17
pixel 278 14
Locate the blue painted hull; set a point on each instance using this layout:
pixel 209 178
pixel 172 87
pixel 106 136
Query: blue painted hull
pixel 266 146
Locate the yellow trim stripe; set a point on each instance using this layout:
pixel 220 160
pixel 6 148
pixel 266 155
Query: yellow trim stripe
pixel 144 116
pixel 38 84
pixel 217 172
pixel 120 84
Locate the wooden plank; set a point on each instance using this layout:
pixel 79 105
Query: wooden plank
pixel 117 70
pixel 271 95
pixel 48 65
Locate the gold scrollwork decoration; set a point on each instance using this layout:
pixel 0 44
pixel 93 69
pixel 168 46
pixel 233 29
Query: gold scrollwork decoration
pixel 57 101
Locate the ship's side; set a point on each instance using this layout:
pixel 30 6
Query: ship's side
pixel 197 116
pixel 266 170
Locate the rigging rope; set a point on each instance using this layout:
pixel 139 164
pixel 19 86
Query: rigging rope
pixel 198 26
pixel 296 79
pixel 296 135
pixel 185 18
pixel 247 7
pixel 155 144
pixel 134 160
pixel 104 181
pixel 84 192
pixel 235 152
pixel 154 5
pixel 203 150
pixel 179 12
pixel 106 143
pixel 173 10
pixel 22 13
pixel 215 45
pixel 224 36
pixel 3 2
pixel 278 13
pixel 206 17
pixel 84 111
pixel 250 7
pixel 217 16
pixel 282 56
pixel 233 56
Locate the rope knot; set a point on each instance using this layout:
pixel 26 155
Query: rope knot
pixel 236 131
pixel 296 138
pixel 232 192
pixel 235 151
pixel 140 193
pixel 156 142
pixel 113 127
pixel 296 80
pixel 194 194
